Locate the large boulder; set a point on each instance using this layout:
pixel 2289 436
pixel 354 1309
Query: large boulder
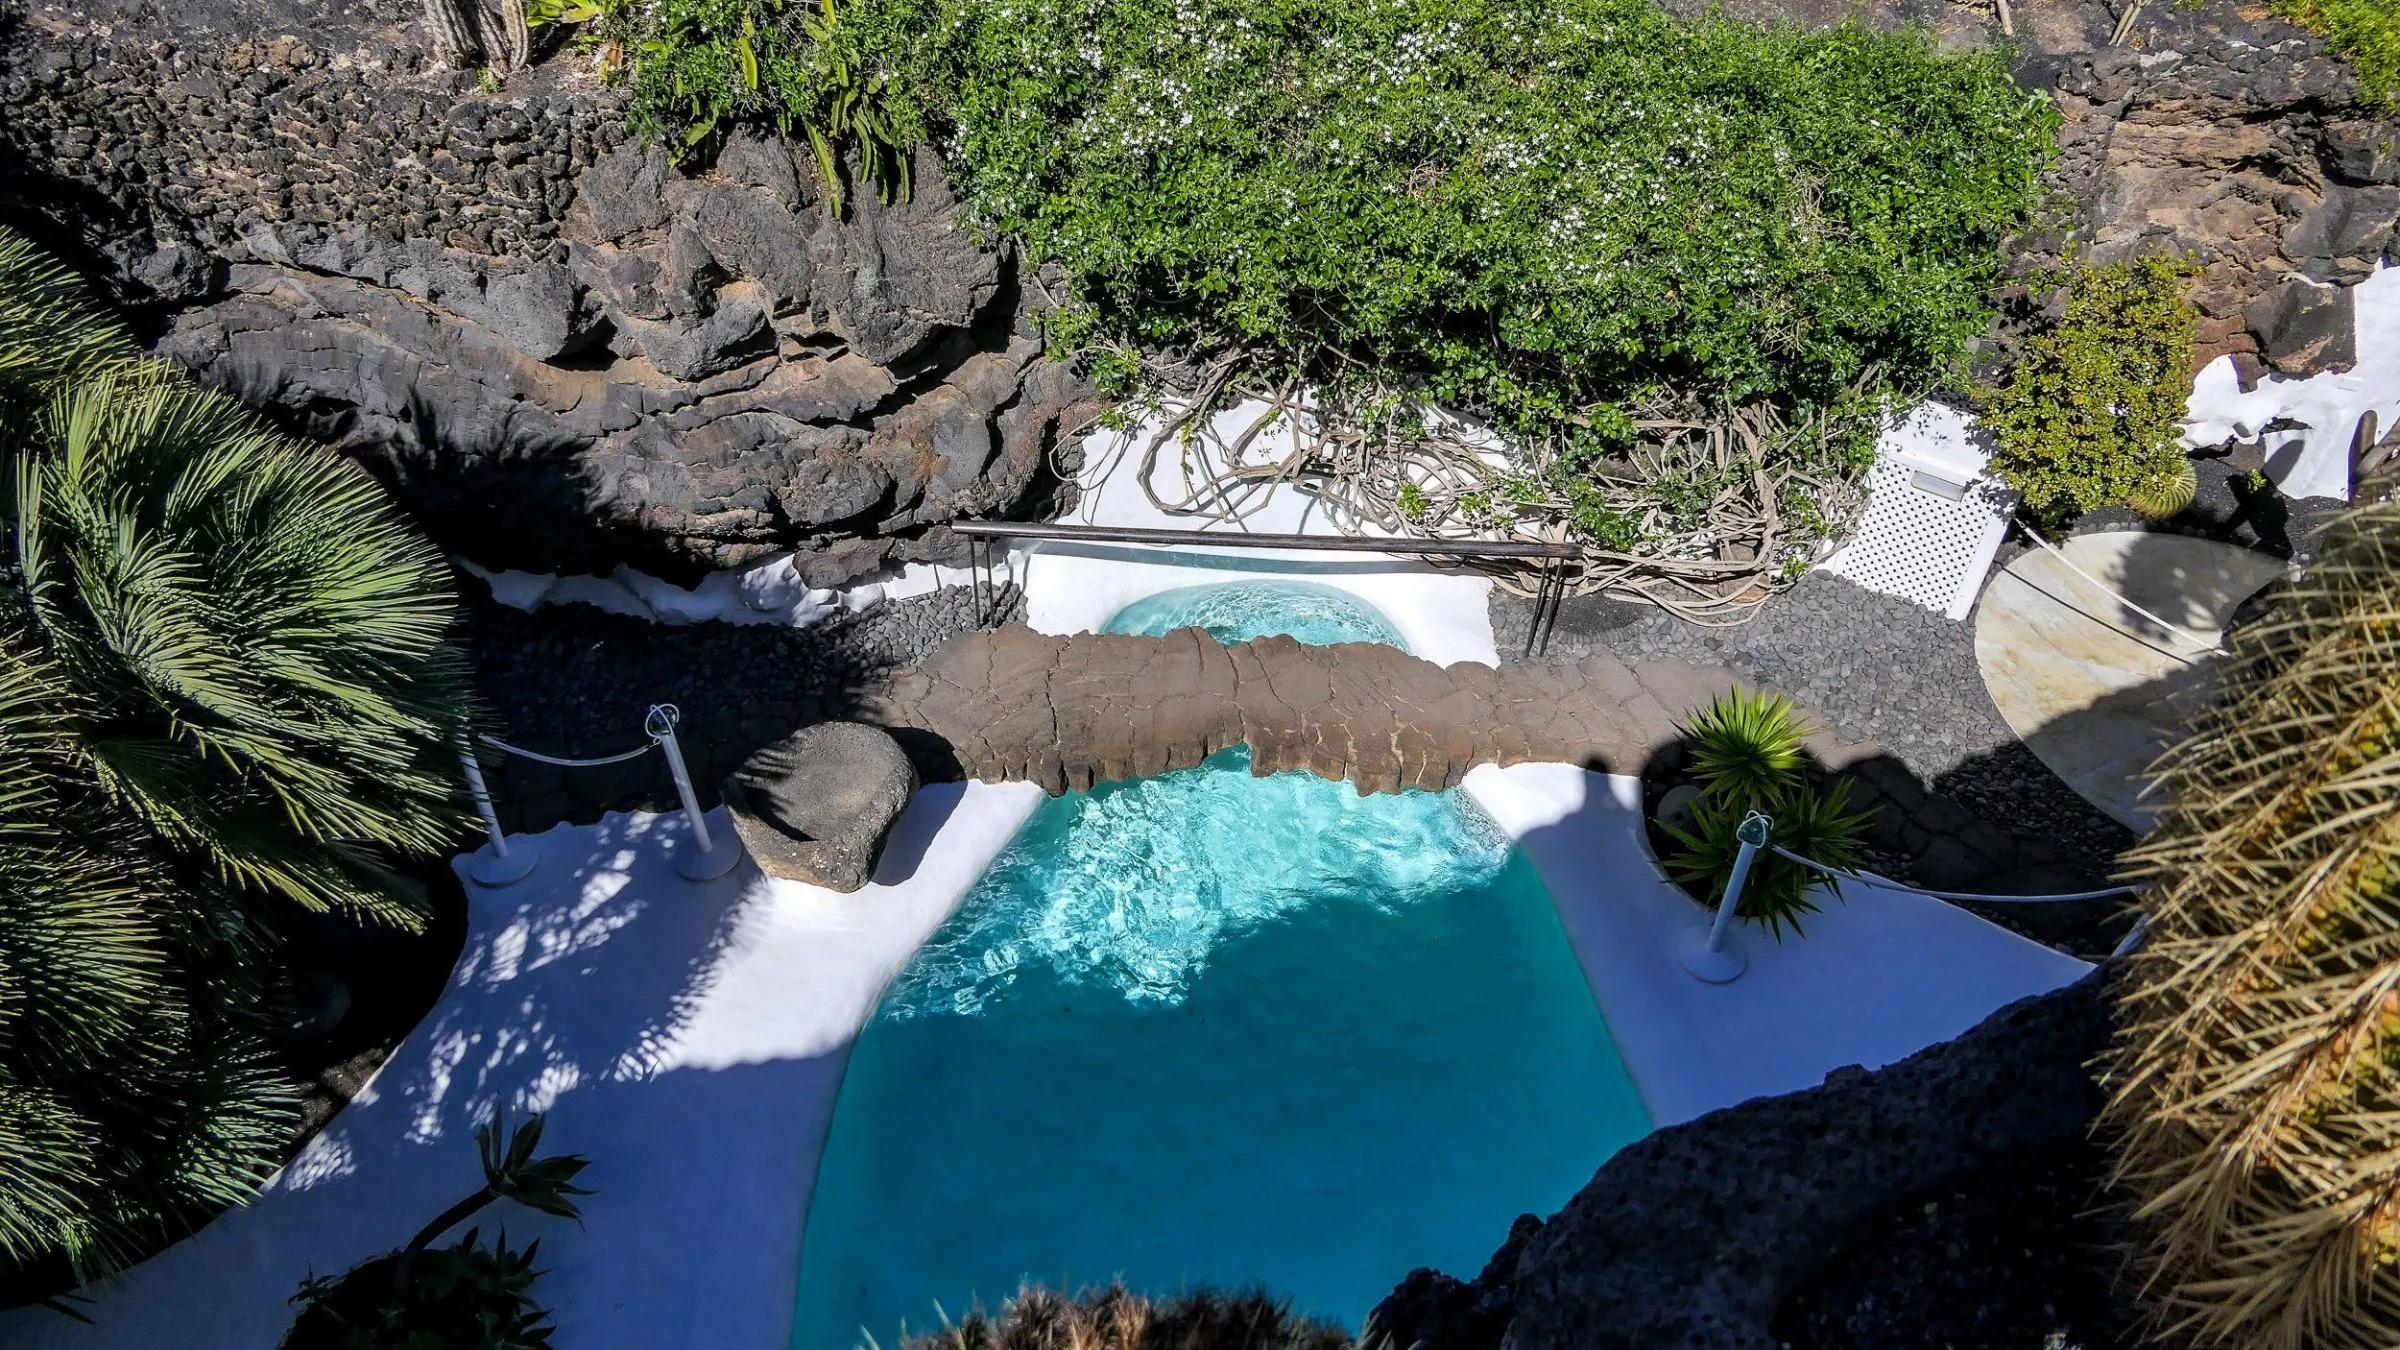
pixel 816 805
pixel 1695 1236
pixel 2306 328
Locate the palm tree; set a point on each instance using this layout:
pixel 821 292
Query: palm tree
pixel 136 1091
pixel 2256 1076
pixel 257 639
pixel 225 690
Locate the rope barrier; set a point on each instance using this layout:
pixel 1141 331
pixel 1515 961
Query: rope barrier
pixel 1970 897
pixel 2171 630
pixel 499 863
pixel 537 756
pixel 1712 953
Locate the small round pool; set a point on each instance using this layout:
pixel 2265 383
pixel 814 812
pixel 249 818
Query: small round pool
pixel 1210 1029
pixel 1234 611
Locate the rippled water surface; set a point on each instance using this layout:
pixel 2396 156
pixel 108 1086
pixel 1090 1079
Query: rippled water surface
pixel 1213 1029
pixel 1234 611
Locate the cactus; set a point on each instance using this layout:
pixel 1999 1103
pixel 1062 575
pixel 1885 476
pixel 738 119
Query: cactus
pixel 2166 495
pixel 2255 1079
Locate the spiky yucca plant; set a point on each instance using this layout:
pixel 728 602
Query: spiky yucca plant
pixel 1748 754
pixel 1813 820
pixel 136 1092
pixel 2255 1079
pixel 256 636
pixel 1746 744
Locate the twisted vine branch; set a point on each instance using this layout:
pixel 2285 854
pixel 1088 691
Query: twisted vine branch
pixel 1711 511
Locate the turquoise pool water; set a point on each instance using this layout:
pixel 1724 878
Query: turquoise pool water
pixel 1234 611
pixel 1209 1029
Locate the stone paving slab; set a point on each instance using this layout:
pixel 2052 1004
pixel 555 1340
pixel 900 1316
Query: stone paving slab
pixel 2097 690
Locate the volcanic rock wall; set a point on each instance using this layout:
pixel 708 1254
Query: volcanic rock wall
pixel 565 354
pixel 562 352
pixel 2238 142
pixel 1693 1236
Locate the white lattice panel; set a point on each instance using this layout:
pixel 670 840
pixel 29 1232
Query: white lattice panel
pixel 1922 545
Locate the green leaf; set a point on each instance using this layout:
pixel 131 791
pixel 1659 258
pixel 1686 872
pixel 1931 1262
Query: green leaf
pixel 825 165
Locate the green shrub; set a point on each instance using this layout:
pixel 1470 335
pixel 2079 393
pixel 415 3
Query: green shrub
pixel 1112 1318
pixel 2092 413
pixel 1560 219
pixel 461 1297
pixel 2365 31
pixel 1542 214
pixel 698 67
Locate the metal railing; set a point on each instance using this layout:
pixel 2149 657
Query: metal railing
pixel 1548 595
pixel 702 857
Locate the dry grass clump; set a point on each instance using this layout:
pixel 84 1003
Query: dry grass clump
pixel 2256 1074
pixel 1115 1318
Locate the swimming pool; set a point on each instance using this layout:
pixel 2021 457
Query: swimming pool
pixel 1210 1029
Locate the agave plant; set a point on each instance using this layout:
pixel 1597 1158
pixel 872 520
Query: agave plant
pixel 1813 820
pixel 255 637
pixel 2255 1079
pixel 1746 745
pixel 136 1091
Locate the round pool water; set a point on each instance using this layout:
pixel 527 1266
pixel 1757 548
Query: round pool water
pixel 1210 1029
pixel 1232 611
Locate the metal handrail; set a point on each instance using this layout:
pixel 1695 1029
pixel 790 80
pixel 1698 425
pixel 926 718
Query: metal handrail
pixel 1339 543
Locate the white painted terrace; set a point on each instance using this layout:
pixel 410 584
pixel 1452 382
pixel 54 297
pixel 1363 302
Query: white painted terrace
pixel 690 1038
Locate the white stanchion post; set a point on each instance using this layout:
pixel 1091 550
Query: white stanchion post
pixel 495 864
pixel 702 857
pixel 1715 953
pixel 2132 941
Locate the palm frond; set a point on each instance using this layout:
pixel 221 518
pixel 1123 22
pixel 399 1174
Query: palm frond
pixel 2255 1078
pixel 50 325
pixel 262 637
pixel 225 683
